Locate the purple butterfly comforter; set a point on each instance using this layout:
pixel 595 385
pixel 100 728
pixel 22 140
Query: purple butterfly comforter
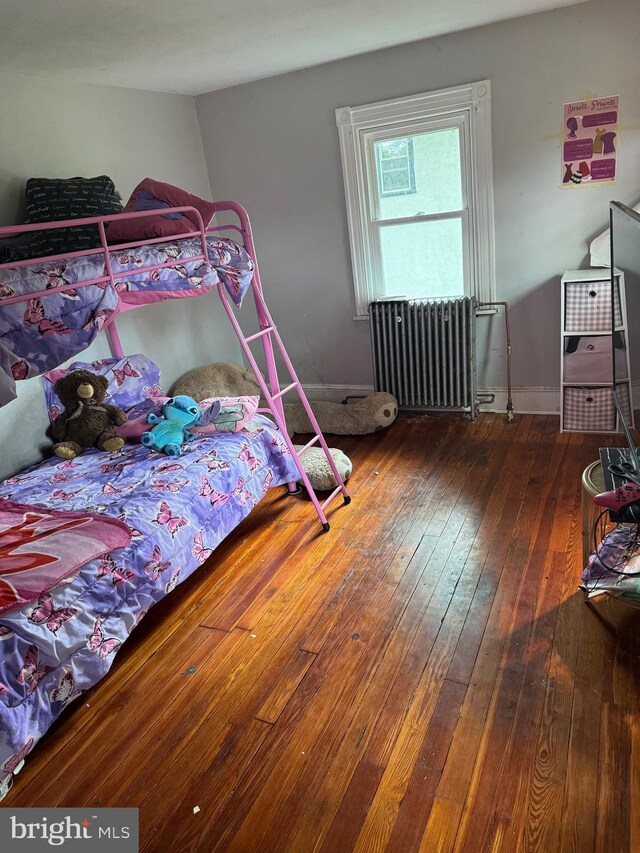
pixel 40 334
pixel 178 509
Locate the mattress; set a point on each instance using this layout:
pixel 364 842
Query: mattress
pixel 41 333
pixel 179 510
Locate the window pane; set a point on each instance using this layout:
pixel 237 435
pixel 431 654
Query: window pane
pixel 393 148
pixel 396 179
pixel 422 260
pixel 394 164
pixel 435 185
pixel 391 163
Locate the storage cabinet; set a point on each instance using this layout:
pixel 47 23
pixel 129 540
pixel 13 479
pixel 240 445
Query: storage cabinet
pixel 586 398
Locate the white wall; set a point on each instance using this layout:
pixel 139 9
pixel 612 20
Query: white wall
pixel 273 145
pixel 54 130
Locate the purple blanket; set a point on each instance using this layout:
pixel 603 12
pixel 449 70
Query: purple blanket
pixel 41 333
pixel 178 510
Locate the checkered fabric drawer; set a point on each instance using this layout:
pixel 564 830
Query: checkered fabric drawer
pixel 593 409
pixel 624 397
pixel 588 306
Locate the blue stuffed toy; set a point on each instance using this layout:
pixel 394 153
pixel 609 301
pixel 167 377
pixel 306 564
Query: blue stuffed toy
pixel 170 431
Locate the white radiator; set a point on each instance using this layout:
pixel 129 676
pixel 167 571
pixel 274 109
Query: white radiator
pixel 424 353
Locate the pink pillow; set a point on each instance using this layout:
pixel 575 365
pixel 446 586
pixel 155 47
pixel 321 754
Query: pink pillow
pixel 230 414
pixel 153 196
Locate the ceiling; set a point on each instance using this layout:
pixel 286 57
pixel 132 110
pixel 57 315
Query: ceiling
pixel 196 46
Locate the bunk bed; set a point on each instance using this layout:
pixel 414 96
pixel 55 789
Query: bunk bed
pixel 176 511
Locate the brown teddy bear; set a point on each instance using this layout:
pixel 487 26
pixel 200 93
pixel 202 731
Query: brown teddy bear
pixel 87 421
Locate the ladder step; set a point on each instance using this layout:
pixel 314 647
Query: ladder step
pixel 260 334
pixel 308 444
pixel 335 492
pixel 285 391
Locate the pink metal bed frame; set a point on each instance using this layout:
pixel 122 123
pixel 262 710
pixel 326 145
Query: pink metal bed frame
pixel 268 333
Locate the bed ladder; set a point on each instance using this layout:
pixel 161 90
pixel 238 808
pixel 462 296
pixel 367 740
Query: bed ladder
pixel 273 395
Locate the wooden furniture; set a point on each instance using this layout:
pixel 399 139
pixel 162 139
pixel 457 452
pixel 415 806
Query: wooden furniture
pixel 586 399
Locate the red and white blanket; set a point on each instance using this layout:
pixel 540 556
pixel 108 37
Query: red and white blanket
pixel 39 547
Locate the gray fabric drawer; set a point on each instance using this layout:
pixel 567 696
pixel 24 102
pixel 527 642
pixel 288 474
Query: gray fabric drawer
pixel 591 362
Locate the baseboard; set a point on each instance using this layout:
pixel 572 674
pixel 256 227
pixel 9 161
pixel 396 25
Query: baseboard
pixel 543 401
pixel 526 400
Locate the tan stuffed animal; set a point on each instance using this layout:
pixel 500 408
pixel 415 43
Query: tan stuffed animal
pixel 220 379
pixel 368 414
pixel 217 380
pixel 318 470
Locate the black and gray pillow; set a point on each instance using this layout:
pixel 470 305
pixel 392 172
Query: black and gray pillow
pixel 50 199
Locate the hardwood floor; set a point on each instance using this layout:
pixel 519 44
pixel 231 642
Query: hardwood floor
pixel 424 677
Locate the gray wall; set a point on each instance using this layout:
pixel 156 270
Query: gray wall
pixel 273 145
pixel 54 130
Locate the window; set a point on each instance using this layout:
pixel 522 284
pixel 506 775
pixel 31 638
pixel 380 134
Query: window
pixel 394 162
pixel 418 186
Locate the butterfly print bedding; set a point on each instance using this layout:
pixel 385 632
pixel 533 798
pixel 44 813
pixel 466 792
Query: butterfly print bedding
pixel 35 316
pixel 20 369
pixel 177 512
pixel 153 391
pixel 138 619
pixel 64 692
pixel 268 481
pixel 173 522
pixel 44 613
pixel 56 279
pixel 60 477
pixel 154 567
pixel 127 370
pixel 169 485
pixel 199 549
pixel 213 462
pixel 168 467
pixel 173 582
pixel 245 456
pixel 99 644
pixel 46 331
pixel 31 671
pixel 15 760
pixel 118 574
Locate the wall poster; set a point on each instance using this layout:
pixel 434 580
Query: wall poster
pixel 590 141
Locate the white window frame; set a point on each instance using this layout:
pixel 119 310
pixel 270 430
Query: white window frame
pixel 469 108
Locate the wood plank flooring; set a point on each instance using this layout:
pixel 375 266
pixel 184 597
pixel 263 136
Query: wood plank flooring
pixel 424 677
